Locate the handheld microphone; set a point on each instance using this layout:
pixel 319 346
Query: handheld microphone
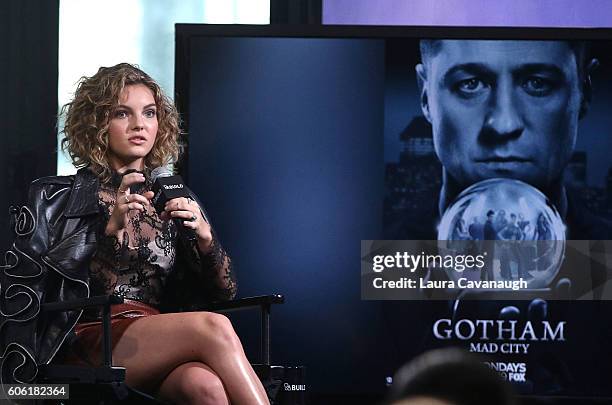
pixel 167 186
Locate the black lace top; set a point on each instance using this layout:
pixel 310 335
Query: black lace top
pixel 137 267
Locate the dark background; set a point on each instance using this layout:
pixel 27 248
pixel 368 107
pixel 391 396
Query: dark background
pixel 28 80
pixel 286 153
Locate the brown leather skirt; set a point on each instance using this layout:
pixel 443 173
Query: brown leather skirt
pixel 86 348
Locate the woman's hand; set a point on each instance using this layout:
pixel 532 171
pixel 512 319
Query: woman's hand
pixel 189 211
pixel 127 202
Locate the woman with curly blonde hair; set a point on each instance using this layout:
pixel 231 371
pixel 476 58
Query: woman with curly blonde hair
pixel 99 235
pixel 87 122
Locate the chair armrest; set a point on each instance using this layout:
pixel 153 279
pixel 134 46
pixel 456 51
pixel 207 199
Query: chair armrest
pixel 82 303
pixel 264 303
pixel 245 303
pixel 104 301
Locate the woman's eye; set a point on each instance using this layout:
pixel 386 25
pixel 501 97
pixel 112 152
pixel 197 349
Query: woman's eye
pixel 121 114
pixel 538 86
pixel 469 87
pixel 150 113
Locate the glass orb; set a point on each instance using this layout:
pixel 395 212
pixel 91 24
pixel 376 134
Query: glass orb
pixel 527 230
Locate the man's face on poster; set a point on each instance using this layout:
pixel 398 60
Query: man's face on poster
pixel 502 108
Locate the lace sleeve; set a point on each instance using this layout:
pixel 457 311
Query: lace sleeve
pixel 217 267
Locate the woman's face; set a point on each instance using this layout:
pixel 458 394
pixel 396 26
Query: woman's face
pixel 133 128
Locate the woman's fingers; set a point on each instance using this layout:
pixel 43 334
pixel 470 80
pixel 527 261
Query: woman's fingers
pixel 133 201
pixel 186 215
pixel 182 208
pixel 133 198
pixel 190 224
pixel 189 212
pixel 128 180
pixel 189 219
pixel 127 202
pixel 186 209
pixel 132 178
pixel 135 206
pixel 181 204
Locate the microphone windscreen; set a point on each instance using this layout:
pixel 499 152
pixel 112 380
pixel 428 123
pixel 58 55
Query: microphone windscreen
pixel 161 171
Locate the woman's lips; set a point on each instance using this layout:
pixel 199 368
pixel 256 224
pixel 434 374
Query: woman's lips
pixel 137 140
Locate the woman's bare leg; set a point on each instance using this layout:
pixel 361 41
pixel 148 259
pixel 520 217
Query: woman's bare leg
pixel 193 383
pixel 152 347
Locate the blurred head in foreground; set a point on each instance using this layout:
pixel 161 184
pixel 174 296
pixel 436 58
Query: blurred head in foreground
pixel 448 377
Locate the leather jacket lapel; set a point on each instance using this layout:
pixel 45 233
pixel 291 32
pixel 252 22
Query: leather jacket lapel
pixel 81 202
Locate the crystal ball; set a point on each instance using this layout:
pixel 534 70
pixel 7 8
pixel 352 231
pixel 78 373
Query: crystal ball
pixel 516 224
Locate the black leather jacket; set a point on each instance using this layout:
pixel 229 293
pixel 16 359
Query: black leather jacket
pixel 49 262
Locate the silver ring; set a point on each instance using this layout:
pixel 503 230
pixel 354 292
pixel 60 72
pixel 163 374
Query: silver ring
pixel 193 218
pixel 127 199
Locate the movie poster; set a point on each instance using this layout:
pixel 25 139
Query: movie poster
pixel 504 146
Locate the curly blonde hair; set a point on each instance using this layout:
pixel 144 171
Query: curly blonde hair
pixel 89 114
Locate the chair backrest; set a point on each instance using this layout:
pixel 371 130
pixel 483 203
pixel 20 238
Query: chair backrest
pixel 20 306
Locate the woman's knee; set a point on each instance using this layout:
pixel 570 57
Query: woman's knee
pixel 218 328
pixel 200 386
pixel 205 389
